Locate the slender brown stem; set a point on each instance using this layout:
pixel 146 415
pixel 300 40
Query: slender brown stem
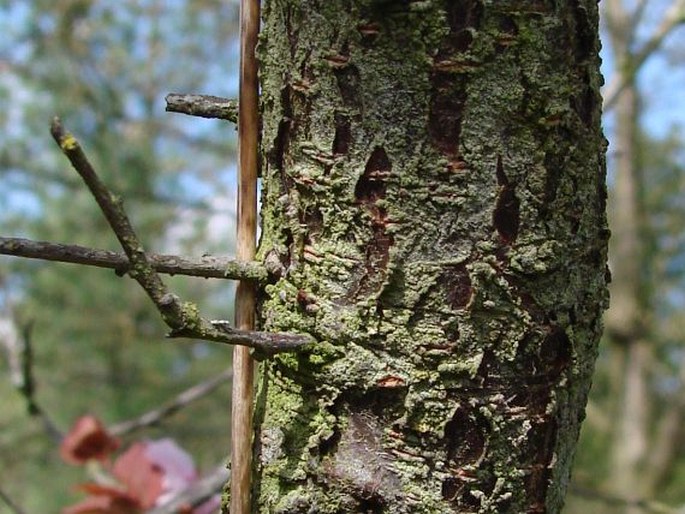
pixel 207 266
pixel 243 366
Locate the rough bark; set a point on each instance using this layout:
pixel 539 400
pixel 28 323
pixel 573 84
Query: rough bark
pixel 434 191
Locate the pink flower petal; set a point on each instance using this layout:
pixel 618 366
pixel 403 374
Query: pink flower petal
pixel 142 477
pixel 87 439
pixel 177 466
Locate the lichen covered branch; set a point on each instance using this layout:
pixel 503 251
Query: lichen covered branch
pixel 206 266
pixel 204 106
pixel 182 317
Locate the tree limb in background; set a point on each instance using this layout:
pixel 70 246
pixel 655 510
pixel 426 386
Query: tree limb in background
pixel 206 266
pixel 182 317
pixel 13 507
pixel 27 387
pixel 197 493
pixel 667 437
pixel 675 15
pixel 183 399
pixel 204 106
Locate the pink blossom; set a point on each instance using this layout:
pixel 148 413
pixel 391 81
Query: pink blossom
pixel 87 439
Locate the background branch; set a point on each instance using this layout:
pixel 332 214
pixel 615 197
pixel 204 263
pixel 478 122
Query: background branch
pixel 13 507
pixel 674 16
pixel 27 385
pixel 156 415
pixel 206 266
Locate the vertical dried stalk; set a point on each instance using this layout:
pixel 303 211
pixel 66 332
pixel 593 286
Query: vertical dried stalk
pixel 243 366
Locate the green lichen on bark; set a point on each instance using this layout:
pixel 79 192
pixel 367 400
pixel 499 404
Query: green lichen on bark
pixel 433 192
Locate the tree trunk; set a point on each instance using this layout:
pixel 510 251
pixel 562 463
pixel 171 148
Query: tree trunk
pixel 433 195
pixel 627 321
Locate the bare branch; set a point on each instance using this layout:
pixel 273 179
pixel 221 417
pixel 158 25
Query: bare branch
pixel 182 317
pixel 186 397
pixel 13 507
pixel 206 266
pixel 616 18
pixel 674 16
pixel 197 493
pixel 204 106
pixel 220 331
pixel 637 16
pixel 27 386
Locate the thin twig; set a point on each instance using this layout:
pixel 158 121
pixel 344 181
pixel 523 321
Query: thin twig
pixel 27 387
pixel 204 106
pixel 182 317
pixel 181 400
pixel 206 266
pixel 197 493
pixel 10 503
pixel 243 366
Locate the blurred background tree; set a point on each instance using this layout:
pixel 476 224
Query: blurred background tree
pixel 631 459
pixel 105 68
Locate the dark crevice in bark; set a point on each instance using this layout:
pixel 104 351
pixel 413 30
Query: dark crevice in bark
pixel 281 145
pixel 585 104
pixel 462 17
pixel 465 440
pixel 457 285
pixel 507 209
pixel 313 220
pixel 446 111
pixel 554 167
pixel 348 79
pixel 583 33
pixel 369 190
pixel 343 134
pixel 371 186
pixel 556 351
